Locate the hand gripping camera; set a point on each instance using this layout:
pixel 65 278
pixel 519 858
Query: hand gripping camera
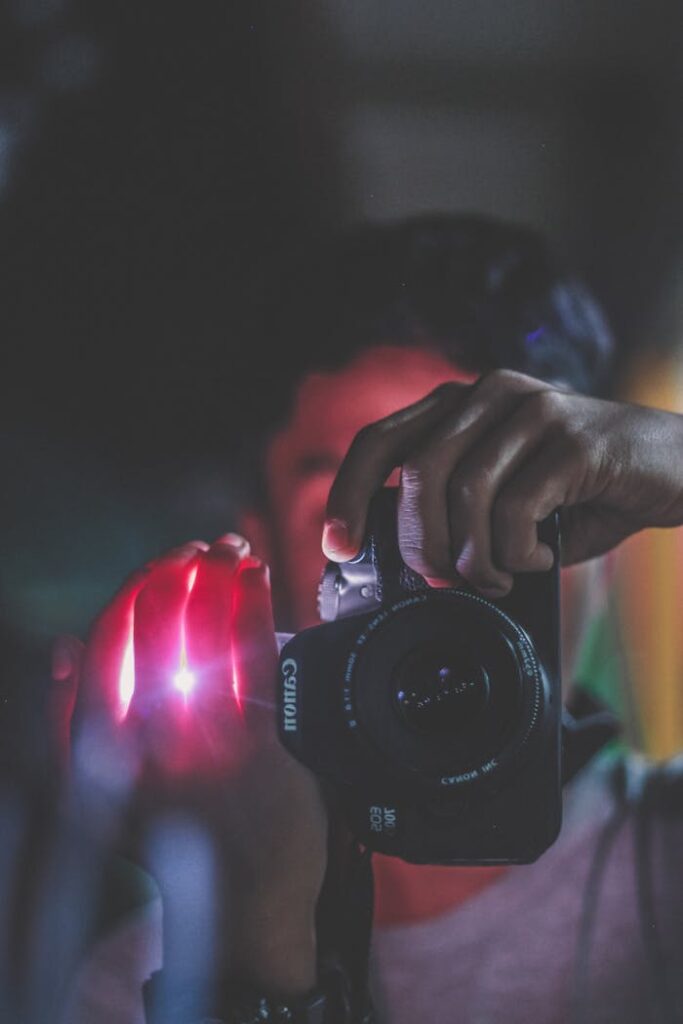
pixel 435 715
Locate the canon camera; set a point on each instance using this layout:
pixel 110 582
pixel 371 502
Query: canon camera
pixel 434 714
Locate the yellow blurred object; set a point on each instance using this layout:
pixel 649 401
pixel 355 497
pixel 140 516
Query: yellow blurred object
pixel 648 582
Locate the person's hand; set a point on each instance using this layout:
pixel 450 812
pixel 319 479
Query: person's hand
pixel 483 464
pixel 178 679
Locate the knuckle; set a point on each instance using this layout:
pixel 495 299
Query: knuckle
pixel 547 404
pixel 574 444
pixel 506 380
pixel 366 437
pixel 467 492
pixel 503 376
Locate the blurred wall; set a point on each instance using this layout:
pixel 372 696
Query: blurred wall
pixel 563 115
pixel 158 163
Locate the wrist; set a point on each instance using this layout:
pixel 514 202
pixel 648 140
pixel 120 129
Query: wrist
pixel 273 949
pixel 664 483
pixel 234 1002
pixel 278 965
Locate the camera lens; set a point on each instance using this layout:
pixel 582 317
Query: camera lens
pixel 445 687
pixel 437 693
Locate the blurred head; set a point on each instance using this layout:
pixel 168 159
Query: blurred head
pixel 390 313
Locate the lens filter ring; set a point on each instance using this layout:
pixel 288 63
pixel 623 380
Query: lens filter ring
pixel 446 688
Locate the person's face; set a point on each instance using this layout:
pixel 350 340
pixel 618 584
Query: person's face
pixel 303 458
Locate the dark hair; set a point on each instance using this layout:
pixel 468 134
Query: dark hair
pixel 485 293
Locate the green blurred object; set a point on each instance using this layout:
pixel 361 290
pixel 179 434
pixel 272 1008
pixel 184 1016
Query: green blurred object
pixel 601 672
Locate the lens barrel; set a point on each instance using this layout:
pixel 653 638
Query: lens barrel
pixel 446 688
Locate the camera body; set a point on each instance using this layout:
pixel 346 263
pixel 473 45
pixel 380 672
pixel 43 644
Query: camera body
pixel 435 715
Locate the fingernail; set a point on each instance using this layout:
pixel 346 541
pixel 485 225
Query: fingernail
pixel 336 540
pixel 62 660
pixel 254 565
pixel 441 584
pixel 234 540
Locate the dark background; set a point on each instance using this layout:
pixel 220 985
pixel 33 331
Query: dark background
pixel 160 161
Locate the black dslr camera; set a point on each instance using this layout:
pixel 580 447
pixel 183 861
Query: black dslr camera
pixel 436 715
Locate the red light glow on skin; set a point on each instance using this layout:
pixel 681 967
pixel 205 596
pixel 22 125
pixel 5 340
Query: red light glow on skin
pixel 247 563
pixel 192 579
pixel 127 674
pixel 184 680
pixel 236 688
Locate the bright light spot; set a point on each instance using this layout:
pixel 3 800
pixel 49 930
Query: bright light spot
pixel 184 681
pixel 236 687
pixel 127 677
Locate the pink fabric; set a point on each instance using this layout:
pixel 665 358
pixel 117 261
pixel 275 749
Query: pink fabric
pixel 109 988
pixel 505 956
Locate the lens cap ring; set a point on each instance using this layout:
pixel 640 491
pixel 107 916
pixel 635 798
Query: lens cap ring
pixel 497 684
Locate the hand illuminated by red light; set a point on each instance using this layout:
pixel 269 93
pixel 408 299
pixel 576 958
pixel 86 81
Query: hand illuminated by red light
pixel 184 659
pixel 181 668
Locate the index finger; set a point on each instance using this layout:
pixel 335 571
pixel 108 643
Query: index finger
pixel 207 621
pixel 377 450
pixel 158 618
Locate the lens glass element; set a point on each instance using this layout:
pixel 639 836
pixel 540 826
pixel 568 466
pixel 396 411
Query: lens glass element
pixel 436 692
